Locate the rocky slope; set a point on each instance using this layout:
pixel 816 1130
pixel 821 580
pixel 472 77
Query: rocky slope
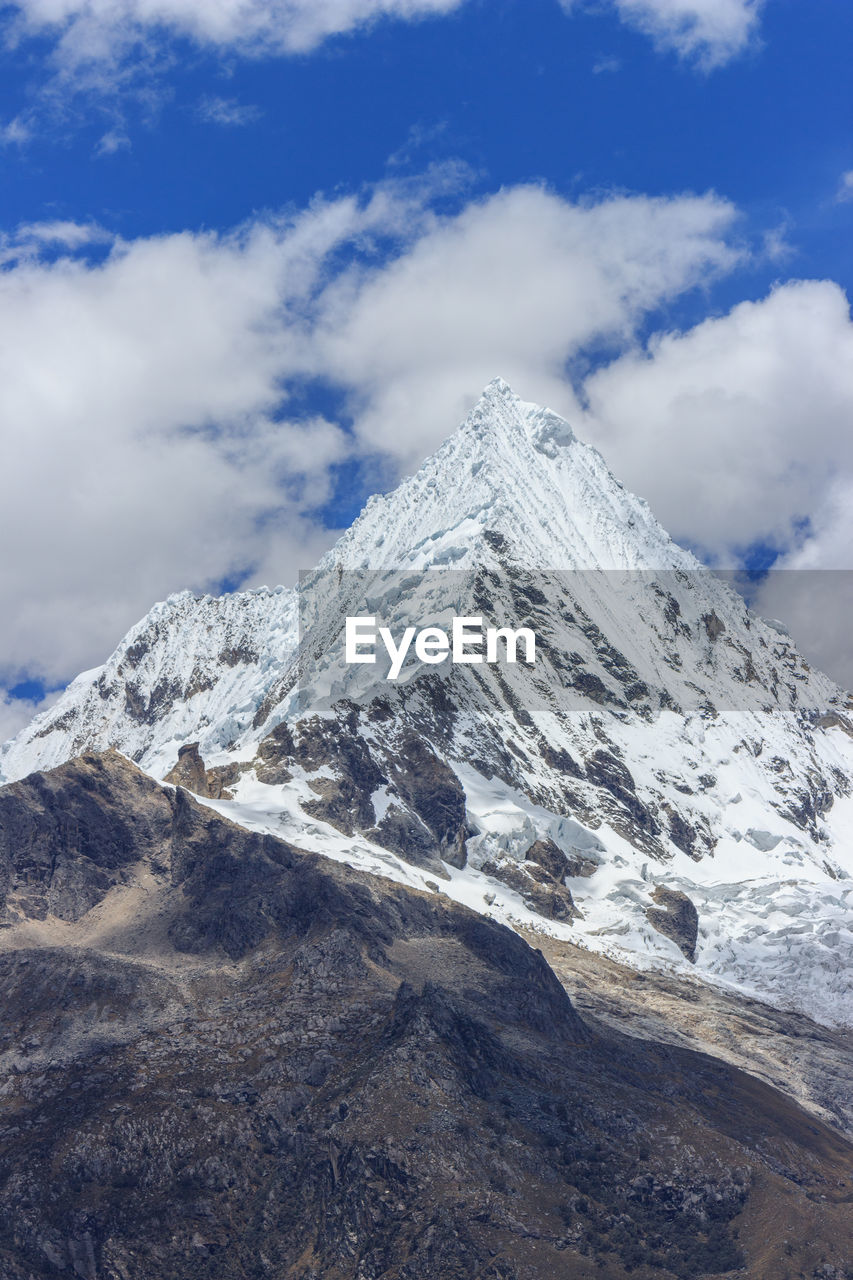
pixel 224 1057
pixel 670 784
pixel 193 668
pixel 809 1062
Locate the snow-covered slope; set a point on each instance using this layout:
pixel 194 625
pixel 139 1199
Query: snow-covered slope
pixel 200 668
pixel 519 470
pixel 670 781
pixel 192 669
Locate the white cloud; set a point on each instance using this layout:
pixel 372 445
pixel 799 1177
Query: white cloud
pixel 30 241
pixel 113 141
pixel 94 30
pixel 709 32
pixel 93 34
pixel 153 440
pixel 139 398
pixel 516 284
pixel 844 193
pixel 606 65
pixel 15 132
pixel 60 233
pixel 739 430
pixel 811 587
pixel 150 439
pixel 16 713
pixel 227 112
pixel 816 605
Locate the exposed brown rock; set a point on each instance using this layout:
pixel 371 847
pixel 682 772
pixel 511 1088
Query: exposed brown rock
pixel 539 889
pixel 431 789
pixel 353 1080
pixel 211 784
pixel 558 865
pixel 189 770
pixel 834 720
pixel 549 856
pixel 678 920
pixel 69 835
pixel 425 823
pixel 274 754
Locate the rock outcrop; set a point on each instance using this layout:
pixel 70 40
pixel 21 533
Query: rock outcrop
pixel 677 918
pixel 245 1060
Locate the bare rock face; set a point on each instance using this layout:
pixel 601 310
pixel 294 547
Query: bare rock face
pixel 68 836
pixel 550 857
pixel 655 699
pixel 430 788
pixel 834 720
pixel 424 818
pixel 714 626
pixel 189 771
pixel 541 889
pixel 326 1076
pixel 678 919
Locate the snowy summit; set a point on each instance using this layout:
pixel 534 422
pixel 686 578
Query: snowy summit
pixel 669 782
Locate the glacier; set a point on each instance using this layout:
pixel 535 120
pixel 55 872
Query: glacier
pixel 670 739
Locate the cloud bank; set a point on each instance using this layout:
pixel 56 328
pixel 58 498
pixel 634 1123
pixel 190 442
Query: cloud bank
pixel 169 398
pixel 94 30
pixel 738 430
pixel 88 32
pixel 158 439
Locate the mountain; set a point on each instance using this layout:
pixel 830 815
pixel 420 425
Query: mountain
pixel 669 784
pixel 192 668
pixel 224 1056
pixel 201 667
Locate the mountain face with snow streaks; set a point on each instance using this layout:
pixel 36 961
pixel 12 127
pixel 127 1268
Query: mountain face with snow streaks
pixel 670 782
pixel 193 667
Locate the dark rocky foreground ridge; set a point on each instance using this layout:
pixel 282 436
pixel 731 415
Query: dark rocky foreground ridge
pixel 223 1057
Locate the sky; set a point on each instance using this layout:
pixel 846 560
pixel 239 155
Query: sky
pixel 258 259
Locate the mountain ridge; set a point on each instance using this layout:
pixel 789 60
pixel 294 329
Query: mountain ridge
pixel 263 1064
pixel 676 751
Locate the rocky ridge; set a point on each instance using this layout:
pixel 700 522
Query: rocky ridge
pixel 242 1059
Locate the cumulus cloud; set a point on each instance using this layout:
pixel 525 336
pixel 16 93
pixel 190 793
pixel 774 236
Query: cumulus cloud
pixel 154 440
pixel 812 585
pixel 157 398
pixel 518 284
pixel 16 713
pixel 737 431
pixel 31 239
pixel 148 445
pixel 91 35
pixel 709 32
pixel 95 30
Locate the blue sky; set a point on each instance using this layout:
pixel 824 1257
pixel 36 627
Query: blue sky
pixel 231 254
pixel 517 90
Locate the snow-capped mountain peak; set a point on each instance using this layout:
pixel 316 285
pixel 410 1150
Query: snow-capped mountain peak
pixel 201 667
pixel 519 470
pixel 670 780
